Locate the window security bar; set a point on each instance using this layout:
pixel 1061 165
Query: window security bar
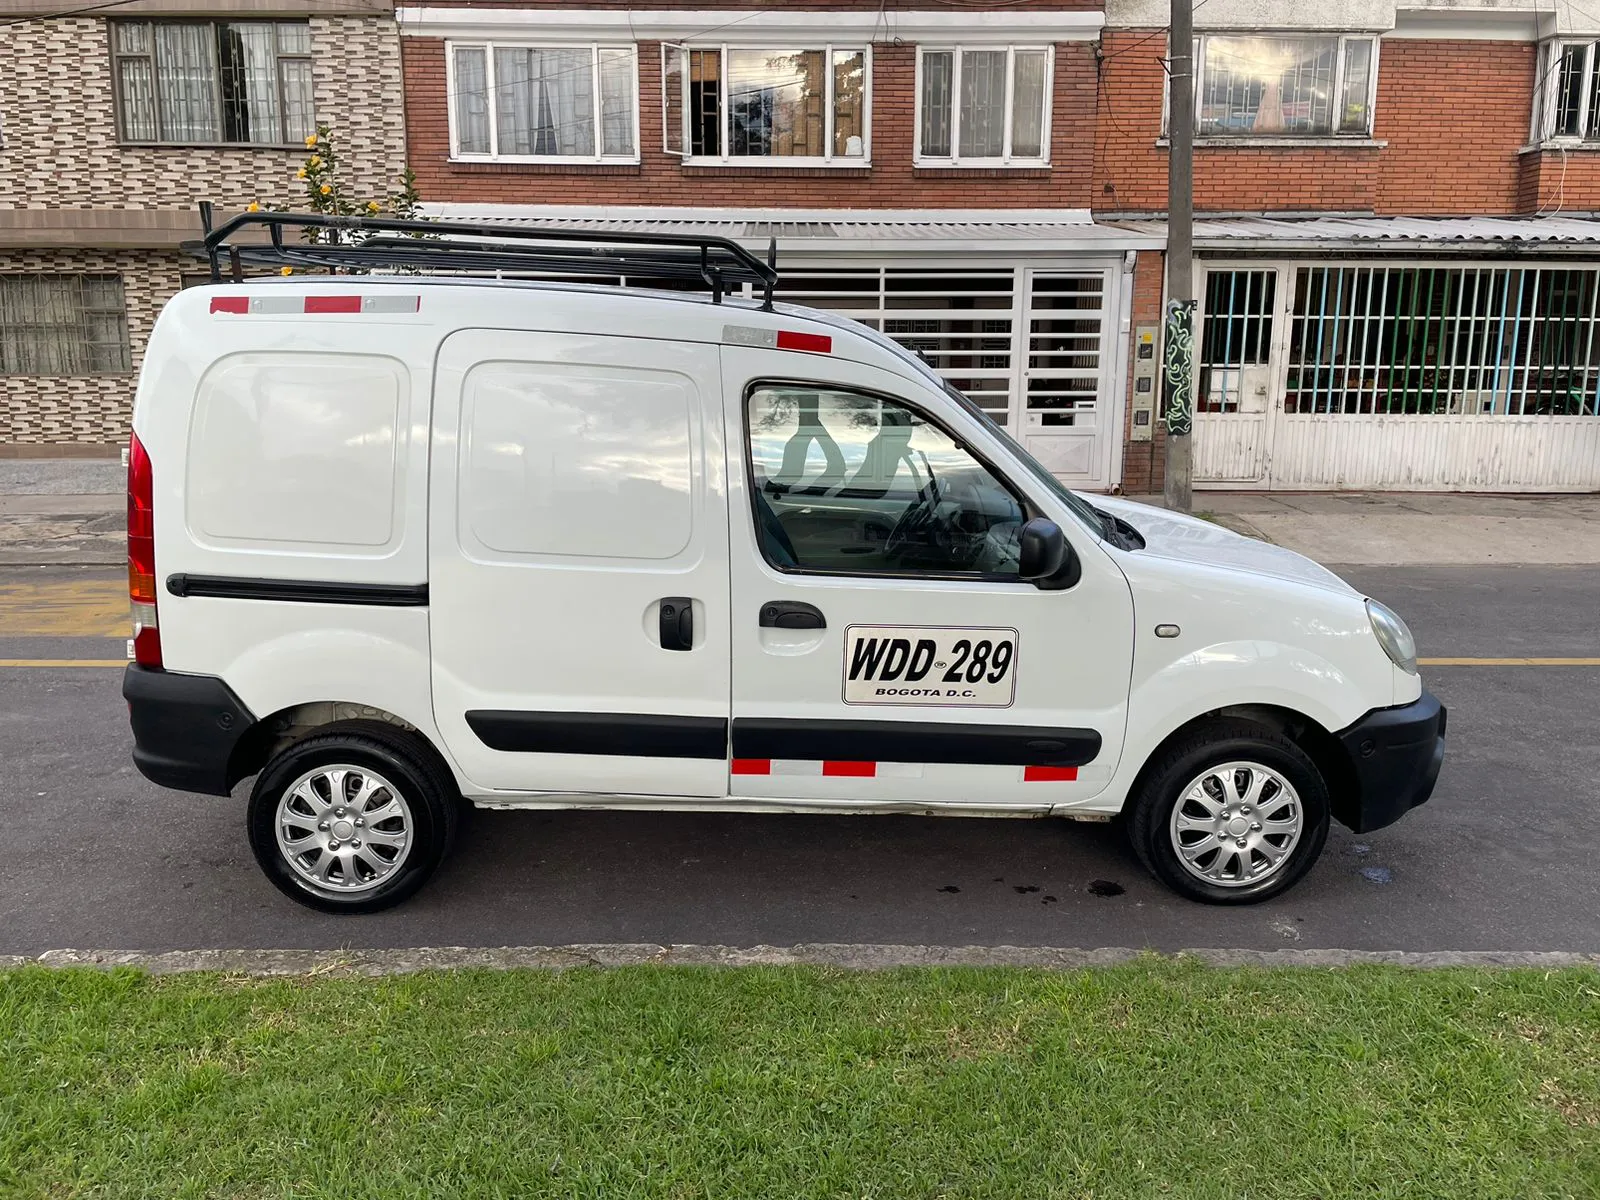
pixel 364 244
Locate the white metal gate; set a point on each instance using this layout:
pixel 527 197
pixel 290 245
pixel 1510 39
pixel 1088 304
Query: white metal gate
pixel 1399 375
pixel 1034 346
pixel 1234 376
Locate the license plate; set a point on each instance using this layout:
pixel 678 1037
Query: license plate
pixel 938 666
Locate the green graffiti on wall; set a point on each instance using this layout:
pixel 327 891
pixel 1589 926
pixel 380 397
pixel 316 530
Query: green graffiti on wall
pixel 1178 367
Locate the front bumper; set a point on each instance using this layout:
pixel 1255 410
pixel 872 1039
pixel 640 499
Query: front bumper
pixel 185 729
pixel 1395 756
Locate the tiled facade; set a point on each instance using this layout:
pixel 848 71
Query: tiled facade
pixel 63 65
pixel 87 409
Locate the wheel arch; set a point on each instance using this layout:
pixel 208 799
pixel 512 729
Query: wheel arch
pixel 276 732
pixel 1310 735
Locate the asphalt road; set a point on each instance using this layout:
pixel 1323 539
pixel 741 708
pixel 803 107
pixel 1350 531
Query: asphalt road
pixel 1503 858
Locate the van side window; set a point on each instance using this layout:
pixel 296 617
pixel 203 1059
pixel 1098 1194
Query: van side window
pixel 845 481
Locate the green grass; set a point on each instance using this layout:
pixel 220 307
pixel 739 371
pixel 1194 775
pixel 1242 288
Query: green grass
pixel 1160 1078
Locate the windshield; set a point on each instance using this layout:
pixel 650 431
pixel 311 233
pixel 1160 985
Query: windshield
pixel 1080 507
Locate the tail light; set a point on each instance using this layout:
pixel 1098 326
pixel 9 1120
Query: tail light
pixel 142 557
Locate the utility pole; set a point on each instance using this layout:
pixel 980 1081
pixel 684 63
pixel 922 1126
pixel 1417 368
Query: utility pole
pixel 1178 362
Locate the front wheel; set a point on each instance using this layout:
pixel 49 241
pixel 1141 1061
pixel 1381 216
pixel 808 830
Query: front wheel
pixel 351 822
pixel 1233 813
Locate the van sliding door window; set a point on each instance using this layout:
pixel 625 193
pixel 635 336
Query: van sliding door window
pixel 849 482
pixel 578 461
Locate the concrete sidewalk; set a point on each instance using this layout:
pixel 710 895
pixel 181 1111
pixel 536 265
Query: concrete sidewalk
pixel 62 511
pixel 1406 528
pixel 73 511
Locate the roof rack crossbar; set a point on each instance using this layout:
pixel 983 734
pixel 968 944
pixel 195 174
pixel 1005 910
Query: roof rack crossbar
pixel 476 262
pixel 456 246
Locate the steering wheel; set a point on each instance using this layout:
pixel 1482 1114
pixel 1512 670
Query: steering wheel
pixel 932 531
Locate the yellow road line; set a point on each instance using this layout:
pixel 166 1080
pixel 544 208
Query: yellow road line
pixel 1508 662
pixel 63 662
pixel 65 608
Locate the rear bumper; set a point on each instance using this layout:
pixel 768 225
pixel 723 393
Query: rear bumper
pixel 1395 756
pixel 185 729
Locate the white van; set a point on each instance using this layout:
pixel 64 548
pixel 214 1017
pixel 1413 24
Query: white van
pixel 400 539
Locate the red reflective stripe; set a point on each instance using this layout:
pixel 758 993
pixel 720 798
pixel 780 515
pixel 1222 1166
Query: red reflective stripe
pixel 333 304
pixel 863 770
pixel 817 343
pixel 1049 774
pixel 752 766
pixel 230 304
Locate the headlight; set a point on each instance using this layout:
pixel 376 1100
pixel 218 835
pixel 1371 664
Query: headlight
pixel 1393 636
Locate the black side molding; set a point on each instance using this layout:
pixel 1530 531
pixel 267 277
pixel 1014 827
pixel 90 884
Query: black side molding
pixel 185 728
pixel 914 741
pixel 299 591
pixel 645 735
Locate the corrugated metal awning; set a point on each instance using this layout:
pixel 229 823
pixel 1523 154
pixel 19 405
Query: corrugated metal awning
pixel 934 231
pixel 1386 234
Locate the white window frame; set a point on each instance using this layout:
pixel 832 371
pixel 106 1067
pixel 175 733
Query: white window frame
pixel 1268 139
pixel 1547 93
pixel 489 46
pixel 777 162
pixel 1006 159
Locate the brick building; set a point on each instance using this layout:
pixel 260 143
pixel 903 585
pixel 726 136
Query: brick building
pixel 924 168
pixel 1395 238
pixel 1394 246
pixel 111 127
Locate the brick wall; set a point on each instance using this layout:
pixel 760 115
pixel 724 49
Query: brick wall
pixel 1142 462
pixel 661 178
pixel 1454 115
pixel 81 409
pixel 1551 181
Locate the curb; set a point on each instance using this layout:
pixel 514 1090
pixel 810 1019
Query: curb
pixel 844 956
pixel 1239 525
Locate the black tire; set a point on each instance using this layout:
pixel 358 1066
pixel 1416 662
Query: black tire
pixel 1207 745
pixel 425 787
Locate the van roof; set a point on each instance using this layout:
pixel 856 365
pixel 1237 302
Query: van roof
pixel 700 300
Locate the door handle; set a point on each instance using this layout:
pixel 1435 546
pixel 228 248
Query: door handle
pixel 677 623
pixel 791 614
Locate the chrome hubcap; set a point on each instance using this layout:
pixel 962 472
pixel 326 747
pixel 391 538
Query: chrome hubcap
pixel 1236 824
pixel 343 828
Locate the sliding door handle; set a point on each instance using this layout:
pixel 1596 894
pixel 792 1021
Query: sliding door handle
pixel 791 614
pixel 677 623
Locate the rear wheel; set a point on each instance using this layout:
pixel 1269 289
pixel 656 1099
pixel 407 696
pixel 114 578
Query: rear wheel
pixel 1232 813
pixel 352 822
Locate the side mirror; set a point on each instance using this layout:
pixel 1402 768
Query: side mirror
pixel 1042 549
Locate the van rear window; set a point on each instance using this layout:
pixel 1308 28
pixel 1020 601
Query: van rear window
pixel 298 449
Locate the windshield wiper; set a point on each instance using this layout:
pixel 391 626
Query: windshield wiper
pixel 1118 532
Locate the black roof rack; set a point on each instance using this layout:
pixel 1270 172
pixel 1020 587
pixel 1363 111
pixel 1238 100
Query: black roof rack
pixel 384 243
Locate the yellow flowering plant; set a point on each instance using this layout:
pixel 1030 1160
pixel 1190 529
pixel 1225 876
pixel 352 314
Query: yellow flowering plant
pixel 327 192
